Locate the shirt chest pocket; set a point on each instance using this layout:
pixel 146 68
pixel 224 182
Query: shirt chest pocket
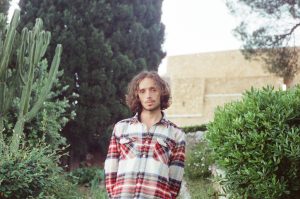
pixel 128 147
pixel 162 150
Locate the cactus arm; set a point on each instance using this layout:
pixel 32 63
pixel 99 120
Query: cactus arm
pixel 19 126
pixel 32 48
pixel 2 103
pixel 42 40
pixel 17 134
pixel 21 55
pixel 38 42
pixel 5 52
pixel 48 85
pixel 8 43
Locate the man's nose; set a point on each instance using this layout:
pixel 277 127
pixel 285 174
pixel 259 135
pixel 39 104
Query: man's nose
pixel 148 94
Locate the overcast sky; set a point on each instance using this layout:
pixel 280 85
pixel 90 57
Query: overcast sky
pixel 195 26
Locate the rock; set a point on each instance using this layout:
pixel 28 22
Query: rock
pixel 199 135
pixel 184 192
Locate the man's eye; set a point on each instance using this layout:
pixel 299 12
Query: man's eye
pixel 141 91
pixel 153 89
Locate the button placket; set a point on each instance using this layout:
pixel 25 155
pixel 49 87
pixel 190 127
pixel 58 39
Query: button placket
pixel 144 150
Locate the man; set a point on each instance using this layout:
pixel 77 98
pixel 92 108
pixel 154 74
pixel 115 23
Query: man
pixel 146 154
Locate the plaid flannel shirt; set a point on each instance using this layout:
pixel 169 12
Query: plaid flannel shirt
pixel 145 163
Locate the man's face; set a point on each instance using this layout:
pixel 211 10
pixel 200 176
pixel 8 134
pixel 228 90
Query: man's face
pixel 149 94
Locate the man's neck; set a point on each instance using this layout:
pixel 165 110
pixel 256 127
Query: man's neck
pixel 151 117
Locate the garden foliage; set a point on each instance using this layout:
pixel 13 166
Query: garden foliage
pixel 256 141
pixel 91 177
pixel 199 161
pixel 86 175
pixel 33 172
pixel 27 50
pixel 29 169
pixel 192 129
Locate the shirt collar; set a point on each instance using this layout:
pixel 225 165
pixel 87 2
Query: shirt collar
pixel 163 120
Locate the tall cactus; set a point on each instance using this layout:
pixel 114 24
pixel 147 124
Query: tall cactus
pixel 30 51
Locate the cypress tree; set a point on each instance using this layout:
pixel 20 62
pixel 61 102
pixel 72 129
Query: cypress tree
pixel 105 44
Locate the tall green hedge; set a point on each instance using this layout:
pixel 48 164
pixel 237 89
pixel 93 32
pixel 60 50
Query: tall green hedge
pixel 256 141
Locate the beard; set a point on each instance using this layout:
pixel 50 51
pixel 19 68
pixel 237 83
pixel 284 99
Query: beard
pixel 152 109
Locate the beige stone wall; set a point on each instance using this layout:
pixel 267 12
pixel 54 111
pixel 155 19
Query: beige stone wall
pixel 215 64
pixel 191 92
pixel 201 82
pixel 296 80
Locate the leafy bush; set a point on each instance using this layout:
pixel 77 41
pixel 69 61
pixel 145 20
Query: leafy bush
pixel 49 121
pixel 189 129
pixel 86 175
pixel 98 192
pixel 55 112
pixel 32 172
pixel 199 161
pixel 200 189
pixel 256 141
pixel 29 169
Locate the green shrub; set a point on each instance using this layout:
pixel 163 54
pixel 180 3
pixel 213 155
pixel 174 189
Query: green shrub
pixel 32 172
pixel 53 115
pixel 48 122
pixel 191 129
pixel 86 175
pixel 256 141
pixel 30 111
pixel 200 189
pixel 198 162
pixel 98 192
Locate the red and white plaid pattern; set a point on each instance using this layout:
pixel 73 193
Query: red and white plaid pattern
pixel 145 164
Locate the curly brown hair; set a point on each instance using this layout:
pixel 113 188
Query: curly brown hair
pixel 132 99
